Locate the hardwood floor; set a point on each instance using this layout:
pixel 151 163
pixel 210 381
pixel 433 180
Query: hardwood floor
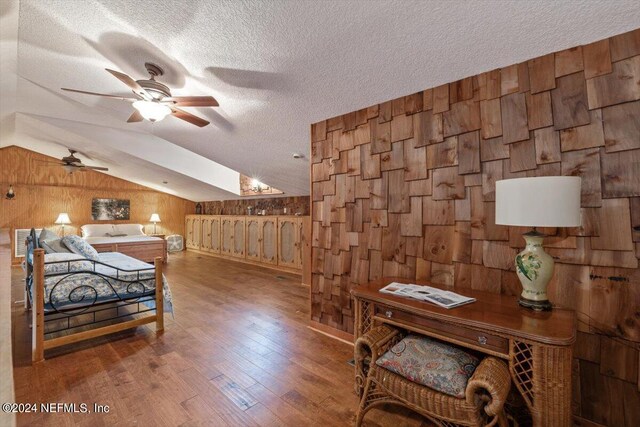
pixel 238 352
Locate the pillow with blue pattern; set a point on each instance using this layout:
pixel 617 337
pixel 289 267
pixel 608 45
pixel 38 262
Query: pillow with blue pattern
pixel 51 242
pixel 442 367
pixel 65 263
pixel 78 245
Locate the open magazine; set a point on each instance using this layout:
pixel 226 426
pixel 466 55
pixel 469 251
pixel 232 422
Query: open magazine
pixel 436 296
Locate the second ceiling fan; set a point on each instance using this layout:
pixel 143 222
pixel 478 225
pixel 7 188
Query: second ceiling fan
pixel 153 100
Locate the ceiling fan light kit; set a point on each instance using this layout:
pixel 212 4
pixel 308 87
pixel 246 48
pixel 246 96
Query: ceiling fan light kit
pixel 152 111
pixel 153 100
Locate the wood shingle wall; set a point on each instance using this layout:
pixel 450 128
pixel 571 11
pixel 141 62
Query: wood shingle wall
pixel 407 188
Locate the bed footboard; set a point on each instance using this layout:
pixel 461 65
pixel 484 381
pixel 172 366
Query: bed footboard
pixel 146 251
pixel 39 344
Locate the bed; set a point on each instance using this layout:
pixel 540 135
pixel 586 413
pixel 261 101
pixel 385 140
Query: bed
pixel 73 298
pixel 128 239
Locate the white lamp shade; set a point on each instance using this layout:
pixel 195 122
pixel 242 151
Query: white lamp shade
pixel 546 201
pixel 154 218
pixel 63 219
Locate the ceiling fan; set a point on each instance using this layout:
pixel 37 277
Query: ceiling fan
pixel 152 99
pixel 71 163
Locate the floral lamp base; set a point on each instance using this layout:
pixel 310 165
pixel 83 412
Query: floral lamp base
pixel 534 268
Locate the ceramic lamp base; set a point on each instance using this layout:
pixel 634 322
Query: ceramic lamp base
pixel 535 305
pixel 534 268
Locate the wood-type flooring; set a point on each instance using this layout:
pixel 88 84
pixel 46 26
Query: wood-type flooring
pixel 238 352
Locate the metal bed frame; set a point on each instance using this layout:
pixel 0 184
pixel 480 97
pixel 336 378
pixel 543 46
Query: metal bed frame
pixel 56 315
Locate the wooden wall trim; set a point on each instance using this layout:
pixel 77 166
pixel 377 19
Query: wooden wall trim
pixel 6 184
pixel 331 332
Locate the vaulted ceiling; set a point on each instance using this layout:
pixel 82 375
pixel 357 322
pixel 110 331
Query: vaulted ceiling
pixel 275 67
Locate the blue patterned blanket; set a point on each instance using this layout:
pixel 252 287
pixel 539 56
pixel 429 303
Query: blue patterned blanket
pixel 69 284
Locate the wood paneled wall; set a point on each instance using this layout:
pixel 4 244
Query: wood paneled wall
pixel 272 206
pixel 44 190
pixel 407 188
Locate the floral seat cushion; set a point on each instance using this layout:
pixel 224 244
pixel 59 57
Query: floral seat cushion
pixel 437 365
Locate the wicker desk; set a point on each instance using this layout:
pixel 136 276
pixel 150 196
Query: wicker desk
pixel 537 346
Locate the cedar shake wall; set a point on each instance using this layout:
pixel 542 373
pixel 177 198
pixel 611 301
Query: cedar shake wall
pixel 407 188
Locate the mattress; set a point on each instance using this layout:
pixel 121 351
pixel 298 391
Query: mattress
pixel 120 279
pixel 123 239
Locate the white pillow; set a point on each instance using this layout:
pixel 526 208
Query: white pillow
pixel 128 229
pixel 96 230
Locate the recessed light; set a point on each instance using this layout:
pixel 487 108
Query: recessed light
pixel 298 156
pixel 165 182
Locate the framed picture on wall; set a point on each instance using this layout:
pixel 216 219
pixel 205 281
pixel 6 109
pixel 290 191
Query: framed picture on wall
pixel 110 209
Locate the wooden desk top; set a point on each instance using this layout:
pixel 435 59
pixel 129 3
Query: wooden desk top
pixel 500 313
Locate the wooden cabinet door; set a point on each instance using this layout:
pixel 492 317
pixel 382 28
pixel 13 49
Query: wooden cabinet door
pixel 287 240
pixel 238 237
pixel 206 233
pixel 188 231
pixel 269 241
pixel 214 240
pixel 226 235
pixel 253 238
pixel 192 230
pixel 197 232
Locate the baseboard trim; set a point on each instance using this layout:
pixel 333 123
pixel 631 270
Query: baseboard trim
pixel 334 333
pixel 297 272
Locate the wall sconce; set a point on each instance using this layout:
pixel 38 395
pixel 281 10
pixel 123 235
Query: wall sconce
pixel 257 186
pixel 10 194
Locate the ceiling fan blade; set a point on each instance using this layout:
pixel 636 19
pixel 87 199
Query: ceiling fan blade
pixel 193 101
pixel 99 94
pixel 188 117
pixel 133 85
pixel 95 168
pixel 135 117
pixel 52 162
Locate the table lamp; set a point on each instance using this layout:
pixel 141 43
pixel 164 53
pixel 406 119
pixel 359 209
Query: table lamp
pixel 62 220
pixel 155 218
pixel 549 201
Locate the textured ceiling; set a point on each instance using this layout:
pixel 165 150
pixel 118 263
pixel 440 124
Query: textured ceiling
pixel 275 67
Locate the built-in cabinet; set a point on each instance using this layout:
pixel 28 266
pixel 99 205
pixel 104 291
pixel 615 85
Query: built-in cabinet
pixel 288 242
pixel 193 228
pixel 253 238
pixel 226 235
pixel 272 241
pixel 210 235
pixel 238 237
pixel 269 240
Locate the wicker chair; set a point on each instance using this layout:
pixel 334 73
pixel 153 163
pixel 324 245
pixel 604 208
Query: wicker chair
pixel 483 405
